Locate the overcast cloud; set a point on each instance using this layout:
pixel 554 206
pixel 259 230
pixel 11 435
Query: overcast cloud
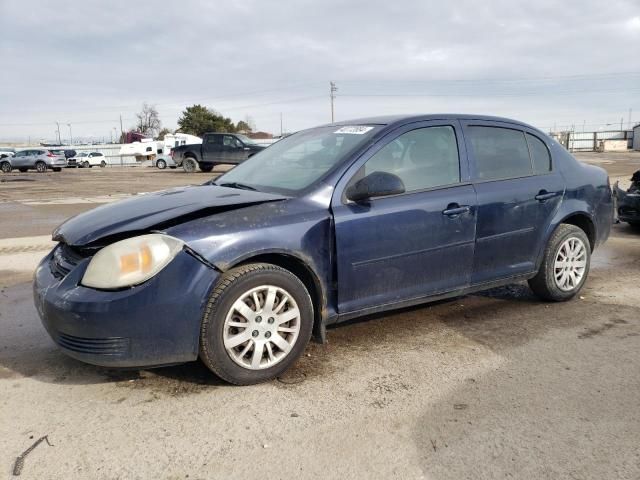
pixel 87 62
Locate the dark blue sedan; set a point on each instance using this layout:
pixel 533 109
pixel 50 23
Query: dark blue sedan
pixel 328 224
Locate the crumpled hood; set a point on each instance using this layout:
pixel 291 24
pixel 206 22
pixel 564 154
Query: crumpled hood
pixel 155 211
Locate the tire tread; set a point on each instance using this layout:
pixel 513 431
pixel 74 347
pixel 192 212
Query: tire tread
pixel 541 284
pixel 227 281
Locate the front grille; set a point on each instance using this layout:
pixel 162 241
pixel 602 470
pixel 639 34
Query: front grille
pixel 64 260
pixel 95 346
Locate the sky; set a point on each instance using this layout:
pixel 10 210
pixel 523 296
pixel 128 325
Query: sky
pixel 86 63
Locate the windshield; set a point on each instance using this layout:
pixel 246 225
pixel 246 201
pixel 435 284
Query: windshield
pixel 246 140
pixel 296 162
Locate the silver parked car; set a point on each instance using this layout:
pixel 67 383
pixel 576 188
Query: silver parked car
pixel 35 159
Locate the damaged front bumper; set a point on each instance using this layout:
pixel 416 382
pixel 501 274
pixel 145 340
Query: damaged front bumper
pixel 628 206
pixel 152 324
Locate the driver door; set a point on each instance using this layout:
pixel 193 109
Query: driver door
pixel 232 149
pixel 19 160
pixel 419 243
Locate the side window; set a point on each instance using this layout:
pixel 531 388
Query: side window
pixel 499 152
pixel 539 155
pixel 231 141
pixel 20 154
pixel 214 139
pixel 422 158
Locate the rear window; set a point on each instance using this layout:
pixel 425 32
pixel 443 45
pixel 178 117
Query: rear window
pixel 500 153
pixel 539 155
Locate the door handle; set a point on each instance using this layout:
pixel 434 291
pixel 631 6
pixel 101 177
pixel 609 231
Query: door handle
pixel 544 195
pixel 453 210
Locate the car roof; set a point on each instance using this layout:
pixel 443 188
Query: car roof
pixel 389 120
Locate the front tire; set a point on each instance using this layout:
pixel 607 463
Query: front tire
pixel 161 164
pixel 103 164
pixel 565 265
pixel 257 323
pixel 5 167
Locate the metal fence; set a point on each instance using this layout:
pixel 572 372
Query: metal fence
pixel 590 141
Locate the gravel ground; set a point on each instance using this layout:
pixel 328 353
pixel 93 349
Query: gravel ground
pixel 494 385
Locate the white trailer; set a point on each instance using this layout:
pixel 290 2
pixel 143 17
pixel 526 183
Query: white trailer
pixel 163 151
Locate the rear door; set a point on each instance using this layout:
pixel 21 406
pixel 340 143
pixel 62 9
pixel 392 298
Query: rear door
pixel 419 243
pixel 518 192
pixel 33 157
pixel 212 149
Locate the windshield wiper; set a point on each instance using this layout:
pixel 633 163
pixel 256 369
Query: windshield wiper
pixel 242 186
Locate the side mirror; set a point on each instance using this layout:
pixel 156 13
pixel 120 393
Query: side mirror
pixel 376 184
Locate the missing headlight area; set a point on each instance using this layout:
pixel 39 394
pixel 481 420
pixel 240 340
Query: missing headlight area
pixel 628 201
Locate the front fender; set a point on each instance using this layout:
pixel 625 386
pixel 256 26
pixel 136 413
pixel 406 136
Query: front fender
pixel 294 229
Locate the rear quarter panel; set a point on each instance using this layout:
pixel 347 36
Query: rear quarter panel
pixel 587 193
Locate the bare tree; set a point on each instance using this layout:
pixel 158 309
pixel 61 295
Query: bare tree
pixel 148 120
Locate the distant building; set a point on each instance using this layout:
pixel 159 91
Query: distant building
pixel 636 137
pixel 260 135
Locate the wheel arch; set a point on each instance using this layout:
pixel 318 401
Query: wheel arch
pixel 583 221
pixel 301 269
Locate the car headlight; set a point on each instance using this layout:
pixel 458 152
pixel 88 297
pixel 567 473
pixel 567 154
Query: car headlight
pixel 131 261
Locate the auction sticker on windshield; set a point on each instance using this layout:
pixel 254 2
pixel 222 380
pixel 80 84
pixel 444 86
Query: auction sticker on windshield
pixel 354 129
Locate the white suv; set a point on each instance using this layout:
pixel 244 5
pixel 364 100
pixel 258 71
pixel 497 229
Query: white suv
pixel 88 160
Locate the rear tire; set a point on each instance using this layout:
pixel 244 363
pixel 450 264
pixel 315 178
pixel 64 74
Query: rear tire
pixel 41 167
pixel 5 167
pixel 189 165
pixel 565 265
pixel 161 164
pixel 279 325
pixel 103 164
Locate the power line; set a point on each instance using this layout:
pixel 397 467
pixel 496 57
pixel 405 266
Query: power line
pixel 491 94
pixel 503 79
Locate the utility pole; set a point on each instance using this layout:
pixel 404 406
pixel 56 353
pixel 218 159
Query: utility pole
pixel 59 140
pixel 630 112
pixel 70 134
pixel 621 123
pixel 121 129
pixel 332 95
